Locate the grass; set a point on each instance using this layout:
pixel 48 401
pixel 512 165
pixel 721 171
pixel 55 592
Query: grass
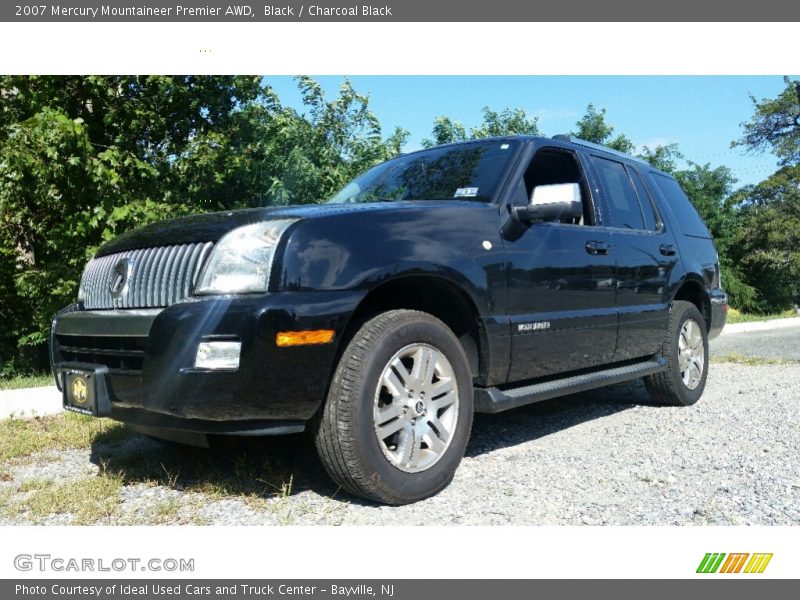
pixel 6 494
pixel 174 511
pixel 32 485
pixel 752 361
pixel 248 473
pixel 87 500
pixel 165 512
pixel 26 381
pixel 23 437
pixel 734 316
pixel 263 474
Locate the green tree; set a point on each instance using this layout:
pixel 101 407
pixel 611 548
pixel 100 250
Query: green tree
pixel 445 131
pixel 664 157
pixel 769 241
pixel 593 127
pixel 272 155
pixel 495 124
pixel 506 122
pixel 318 152
pixel 83 159
pixel 775 125
pixel 49 175
pixel 767 246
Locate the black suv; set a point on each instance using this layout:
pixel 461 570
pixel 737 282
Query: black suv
pixel 477 276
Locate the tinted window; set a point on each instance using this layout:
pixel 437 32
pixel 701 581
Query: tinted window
pixel 622 202
pixel 462 172
pixel 644 201
pixel 688 219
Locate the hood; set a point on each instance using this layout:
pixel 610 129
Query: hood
pixel 210 227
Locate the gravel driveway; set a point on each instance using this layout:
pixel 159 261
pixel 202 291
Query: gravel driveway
pixel 602 457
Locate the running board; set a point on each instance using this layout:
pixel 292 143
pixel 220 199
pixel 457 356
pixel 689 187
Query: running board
pixel 494 400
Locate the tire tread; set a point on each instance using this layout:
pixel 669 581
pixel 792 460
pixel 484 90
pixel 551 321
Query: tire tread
pixel 334 435
pixel 663 386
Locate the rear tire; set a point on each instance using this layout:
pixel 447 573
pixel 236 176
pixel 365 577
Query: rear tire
pixel 685 349
pixel 399 410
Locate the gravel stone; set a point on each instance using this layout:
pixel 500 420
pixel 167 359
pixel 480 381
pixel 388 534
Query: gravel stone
pixel 605 457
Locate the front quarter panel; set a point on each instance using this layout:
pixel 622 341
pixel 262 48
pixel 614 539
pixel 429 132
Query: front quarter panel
pixel 458 241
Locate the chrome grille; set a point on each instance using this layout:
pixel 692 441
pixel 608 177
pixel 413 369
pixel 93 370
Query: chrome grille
pixel 156 277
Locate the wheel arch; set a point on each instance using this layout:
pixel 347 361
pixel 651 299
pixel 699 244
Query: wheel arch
pixel 691 289
pixel 437 296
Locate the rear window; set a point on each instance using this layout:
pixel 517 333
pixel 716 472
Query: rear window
pixel 688 219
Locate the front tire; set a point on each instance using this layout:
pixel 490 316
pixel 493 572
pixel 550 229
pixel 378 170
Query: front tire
pixel 685 349
pixel 399 410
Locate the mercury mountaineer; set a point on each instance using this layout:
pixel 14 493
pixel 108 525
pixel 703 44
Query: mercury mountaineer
pixel 472 277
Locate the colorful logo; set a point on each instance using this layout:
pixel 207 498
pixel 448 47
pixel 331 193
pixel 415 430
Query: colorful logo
pixel 80 391
pixel 734 563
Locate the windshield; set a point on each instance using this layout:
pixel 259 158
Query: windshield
pixel 463 172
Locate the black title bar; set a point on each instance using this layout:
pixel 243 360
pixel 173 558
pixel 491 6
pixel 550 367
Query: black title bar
pixel 413 589
pixel 403 10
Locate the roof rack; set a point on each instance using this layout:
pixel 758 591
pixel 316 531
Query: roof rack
pixel 563 137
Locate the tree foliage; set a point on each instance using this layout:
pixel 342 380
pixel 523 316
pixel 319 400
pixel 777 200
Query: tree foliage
pixel 495 124
pixel 84 158
pixel 767 242
pixel 768 248
pixel 593 127
pixel 775 125
pixel 664 157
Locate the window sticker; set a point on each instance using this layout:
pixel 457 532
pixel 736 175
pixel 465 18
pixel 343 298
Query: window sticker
pixel 470 192
pixel 505 146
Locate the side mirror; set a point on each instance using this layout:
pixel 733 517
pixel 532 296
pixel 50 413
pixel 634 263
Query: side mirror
pixel 552 203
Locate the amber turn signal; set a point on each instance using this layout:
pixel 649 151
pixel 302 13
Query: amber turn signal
pixel 304 338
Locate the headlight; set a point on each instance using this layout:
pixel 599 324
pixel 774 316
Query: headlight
pixel 242 259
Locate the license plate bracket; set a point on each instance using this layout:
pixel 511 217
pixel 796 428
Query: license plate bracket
pixel 85 389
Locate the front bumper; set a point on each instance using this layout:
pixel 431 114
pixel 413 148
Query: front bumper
pixel 150 357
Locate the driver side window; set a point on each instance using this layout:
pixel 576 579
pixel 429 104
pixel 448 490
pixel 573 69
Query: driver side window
pixel 552 166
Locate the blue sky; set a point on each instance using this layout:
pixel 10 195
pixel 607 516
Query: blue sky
pixel 701 114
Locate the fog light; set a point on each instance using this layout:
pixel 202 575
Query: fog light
pixel 218 355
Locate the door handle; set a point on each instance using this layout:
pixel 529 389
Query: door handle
pixel 667 249
pixel 593 247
